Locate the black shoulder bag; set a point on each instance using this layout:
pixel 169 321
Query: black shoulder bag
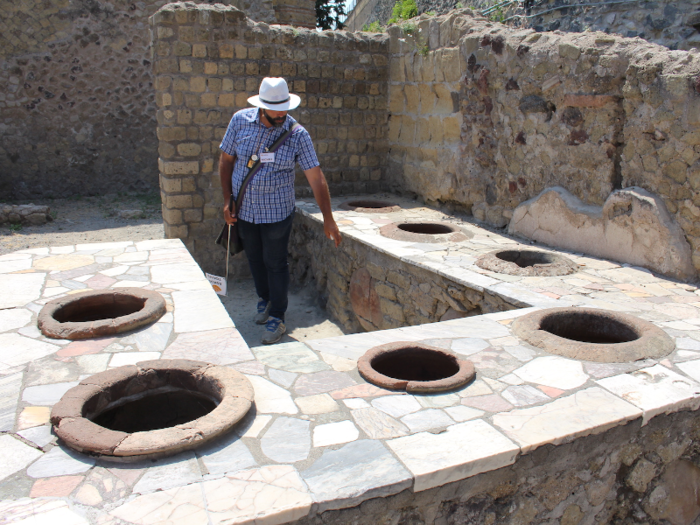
pixel 235 243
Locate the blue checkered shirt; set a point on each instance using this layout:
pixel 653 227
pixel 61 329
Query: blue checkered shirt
pixel 270 194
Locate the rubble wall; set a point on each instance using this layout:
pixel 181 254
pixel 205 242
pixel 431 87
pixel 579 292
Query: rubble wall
pixel 77 103
pixel 366 290
pixel 208 60
pixel 589 111
pixel 628 474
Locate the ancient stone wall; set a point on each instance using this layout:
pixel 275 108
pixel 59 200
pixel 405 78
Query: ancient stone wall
pixel 628 474
pixel 367 290
pixel 590 112
pixel 209 60
pixel 77 110
pixel 671 23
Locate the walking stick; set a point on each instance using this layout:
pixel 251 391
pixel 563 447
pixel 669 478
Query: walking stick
pixel 228 243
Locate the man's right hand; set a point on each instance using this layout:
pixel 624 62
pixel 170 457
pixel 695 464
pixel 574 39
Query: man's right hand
pixel 230 215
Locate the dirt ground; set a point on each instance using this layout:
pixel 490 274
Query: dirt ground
pixel 97 219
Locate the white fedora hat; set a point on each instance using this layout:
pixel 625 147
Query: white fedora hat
pixel 275 95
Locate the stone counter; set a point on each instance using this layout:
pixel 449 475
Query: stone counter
pixel 535 438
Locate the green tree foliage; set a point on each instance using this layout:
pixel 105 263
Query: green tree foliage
pixel 329 14
pixel 403 10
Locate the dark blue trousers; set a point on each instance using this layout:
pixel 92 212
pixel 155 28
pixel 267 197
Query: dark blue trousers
pixel 266 248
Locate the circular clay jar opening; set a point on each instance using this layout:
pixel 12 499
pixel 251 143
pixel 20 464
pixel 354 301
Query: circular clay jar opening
pixel 424 232
pixel 151 409
pixel 99 313
pixel 415 368
pixel 593 335
pixel 527 263
pixel 370 206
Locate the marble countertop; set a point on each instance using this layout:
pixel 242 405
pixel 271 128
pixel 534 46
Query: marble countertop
pixel 320 437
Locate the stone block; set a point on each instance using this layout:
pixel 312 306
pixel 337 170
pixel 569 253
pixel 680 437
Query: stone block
pixel 227 100
pixel 199 50
pixel 172 217
pixel 174 202
pixel 171 133
pixel 569 51
pixel 444 103
pixel 452 127
pixel 392 310
pixel 189 149
pixel 198 84
pixel 191 216
pixel 170 185
pixel 450 64
pixel 180 168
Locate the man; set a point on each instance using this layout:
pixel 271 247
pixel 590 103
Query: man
pixel 267 210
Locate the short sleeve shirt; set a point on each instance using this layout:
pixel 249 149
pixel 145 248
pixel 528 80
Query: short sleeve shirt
pixel 270 194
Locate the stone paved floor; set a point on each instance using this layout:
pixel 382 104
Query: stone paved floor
pixel 319 436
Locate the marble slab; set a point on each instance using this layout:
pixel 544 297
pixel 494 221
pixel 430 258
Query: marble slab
pixel 656 390
pixel 356 472
pixel 464 450
pixel 15 455
pixel 589 411
pixel 195 311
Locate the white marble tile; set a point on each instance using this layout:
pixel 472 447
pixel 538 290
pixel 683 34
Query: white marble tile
pixel 40 436
pixel 335 433
pixel 524 395
pixel 176 506
pixel 469 345
pixel 159 244
pixel 287 440
pixel 438 400
pixel 34 511
pixel 692 368
pixel 60 462
pixel 270 398
pixel 131 358
pixel 225 455
pixel 10 388
pixel 198 311
pixel 655 390
pixel 113 272
pixel 462 413
pixel 168 473
pixel 466 449
pixel 282 378
pixel 15 265
pixel 251 426
pixel 270 495
pixel 396 406
pixel 15 455
pixel 356 403
pixel 104 246
pixel 427 420
pixel 46 395
pixel 129 284
pixel 317 404
pixel 131 257
pixel 553 371
pixel 586 412
pixel 18 290
pixel 176 273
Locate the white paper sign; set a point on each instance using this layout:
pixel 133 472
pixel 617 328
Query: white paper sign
pixel 218 283
pixel 267 157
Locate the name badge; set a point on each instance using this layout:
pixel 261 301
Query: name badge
pixel 267 157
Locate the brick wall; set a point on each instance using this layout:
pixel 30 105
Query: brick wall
pixel 209 59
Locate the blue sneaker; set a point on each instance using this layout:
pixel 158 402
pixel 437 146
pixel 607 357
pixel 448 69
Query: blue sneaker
pixel 263 311
pixel 274 331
